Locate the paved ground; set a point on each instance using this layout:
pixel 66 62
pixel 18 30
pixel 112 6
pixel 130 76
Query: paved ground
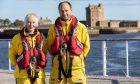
pixel 7 77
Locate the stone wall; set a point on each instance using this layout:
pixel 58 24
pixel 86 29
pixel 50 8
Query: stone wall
pixel 114 24
pixel 104 23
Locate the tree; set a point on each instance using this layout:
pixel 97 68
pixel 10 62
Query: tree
pixel 1 22
pixel 6 22
pixel 18 23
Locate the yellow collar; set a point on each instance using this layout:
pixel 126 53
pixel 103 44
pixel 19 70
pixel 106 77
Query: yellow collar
pixel 27 34
pixel 65 22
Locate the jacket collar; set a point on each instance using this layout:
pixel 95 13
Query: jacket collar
pixel 65 22
pixel 25 33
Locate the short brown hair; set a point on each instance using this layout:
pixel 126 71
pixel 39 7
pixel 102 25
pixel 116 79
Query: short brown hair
pixel 64 2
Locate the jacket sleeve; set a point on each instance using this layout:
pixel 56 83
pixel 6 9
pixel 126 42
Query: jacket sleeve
pixel 85 40
pixel 50 37
pixel 12 50
pixel 44 45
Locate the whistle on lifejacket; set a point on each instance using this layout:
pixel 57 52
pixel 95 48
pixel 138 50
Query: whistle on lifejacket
pixel 63 48
pixel 33 61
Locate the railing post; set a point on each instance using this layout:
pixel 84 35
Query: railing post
pixel 127 61
pixel 10 69
pixel 104 58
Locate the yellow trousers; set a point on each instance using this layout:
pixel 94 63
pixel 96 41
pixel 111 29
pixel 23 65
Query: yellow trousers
pixel 63 81
pixel 27 81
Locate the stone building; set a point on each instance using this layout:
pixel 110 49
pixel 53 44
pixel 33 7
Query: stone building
pixel 95 17
pixel 94 13
pixel 45 21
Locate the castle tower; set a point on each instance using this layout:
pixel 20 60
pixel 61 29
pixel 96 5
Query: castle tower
pixel 94 13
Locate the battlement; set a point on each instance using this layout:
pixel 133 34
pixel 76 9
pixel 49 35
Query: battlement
pixel 95 17
pixel 94 13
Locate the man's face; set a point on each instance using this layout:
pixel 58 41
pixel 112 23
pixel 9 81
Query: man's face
pixel 32 24
pixel 65 11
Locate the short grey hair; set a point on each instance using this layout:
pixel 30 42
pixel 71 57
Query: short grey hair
pixel 27 17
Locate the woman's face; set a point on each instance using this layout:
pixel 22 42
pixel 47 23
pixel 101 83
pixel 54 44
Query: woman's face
pixel 32 24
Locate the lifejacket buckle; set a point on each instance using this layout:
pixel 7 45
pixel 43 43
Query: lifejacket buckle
pixel 33 60
pixel 63 48
pixel 64 45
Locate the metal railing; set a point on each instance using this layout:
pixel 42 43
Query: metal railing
pixel 104 53
pixel 104 48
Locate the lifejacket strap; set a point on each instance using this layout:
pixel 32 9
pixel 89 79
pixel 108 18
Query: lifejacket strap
pixel 69 75
pixel 32 79
pixel 40 44
pixel 61 69
pixel 59 72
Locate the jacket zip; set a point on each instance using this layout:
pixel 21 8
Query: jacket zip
pixel 66 51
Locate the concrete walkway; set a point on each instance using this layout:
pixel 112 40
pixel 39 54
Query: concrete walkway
pixel 7 77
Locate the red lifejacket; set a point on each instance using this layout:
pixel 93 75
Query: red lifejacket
pixel 30 54
pixel 69 42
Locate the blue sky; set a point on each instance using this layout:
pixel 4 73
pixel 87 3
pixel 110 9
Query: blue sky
pixel 113 9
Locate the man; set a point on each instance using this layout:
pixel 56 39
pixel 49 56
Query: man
pixel 28 53
pixel 68 44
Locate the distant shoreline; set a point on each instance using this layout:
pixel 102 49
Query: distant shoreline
pixel 8 34
pixel 113 31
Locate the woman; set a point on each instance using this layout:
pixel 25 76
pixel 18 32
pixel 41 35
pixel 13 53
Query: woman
pixel 28 53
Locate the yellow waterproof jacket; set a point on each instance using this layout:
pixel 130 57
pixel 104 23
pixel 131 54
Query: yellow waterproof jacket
pixel 78 67
pixel 16 48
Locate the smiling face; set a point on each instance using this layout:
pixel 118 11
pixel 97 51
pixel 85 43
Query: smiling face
pixel 32 24
pixel 65 11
